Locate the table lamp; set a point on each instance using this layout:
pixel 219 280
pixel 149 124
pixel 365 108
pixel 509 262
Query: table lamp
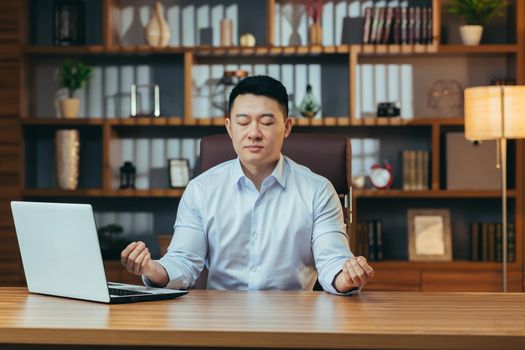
pixel 496 113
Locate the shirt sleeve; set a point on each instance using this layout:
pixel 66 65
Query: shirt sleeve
pixel 188 248
pixel 329 240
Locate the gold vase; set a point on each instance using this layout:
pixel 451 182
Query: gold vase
pixel 316 34
pixel 157 31
pixel 67 149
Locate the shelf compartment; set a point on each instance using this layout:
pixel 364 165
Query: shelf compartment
pixel 94 192
pixel 441 265
pixel 484 49
pixel 431 194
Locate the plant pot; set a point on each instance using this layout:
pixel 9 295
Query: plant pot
pixel 471 34
pixel 67 152
pixel 69 107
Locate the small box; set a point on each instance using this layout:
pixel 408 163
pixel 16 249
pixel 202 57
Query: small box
pixel 471 165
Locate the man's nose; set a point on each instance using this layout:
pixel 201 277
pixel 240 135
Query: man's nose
pixel 254 132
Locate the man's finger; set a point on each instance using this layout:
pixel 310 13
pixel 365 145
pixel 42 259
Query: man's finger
pixel 356 282
pixel 133 255
pixel 138 262
pixel 364 265
pixel 125 253
pixel 359 272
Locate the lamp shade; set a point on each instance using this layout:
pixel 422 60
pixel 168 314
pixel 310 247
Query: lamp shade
pixel 493 112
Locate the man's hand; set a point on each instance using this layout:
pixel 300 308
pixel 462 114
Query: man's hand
pixel 355 273
pixel 137 259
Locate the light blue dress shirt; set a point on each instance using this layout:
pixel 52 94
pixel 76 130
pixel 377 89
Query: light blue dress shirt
pixel 282 237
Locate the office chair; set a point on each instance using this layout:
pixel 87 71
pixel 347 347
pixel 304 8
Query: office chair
pixel 325 154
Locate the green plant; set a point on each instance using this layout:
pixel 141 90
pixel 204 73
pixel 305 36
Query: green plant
pixel 73 75
pixel 477 12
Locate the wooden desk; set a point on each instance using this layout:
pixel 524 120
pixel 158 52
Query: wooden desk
pixel 374 320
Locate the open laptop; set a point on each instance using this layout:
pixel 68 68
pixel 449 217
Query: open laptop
pixel 61 255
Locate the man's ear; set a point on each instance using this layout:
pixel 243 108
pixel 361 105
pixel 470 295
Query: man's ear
pixel 228 125
pixel 288 126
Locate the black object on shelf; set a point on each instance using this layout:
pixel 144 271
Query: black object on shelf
pixel 353 28
pixel 388 109
pixel 127 175
pixel 68 26
pixel 206 36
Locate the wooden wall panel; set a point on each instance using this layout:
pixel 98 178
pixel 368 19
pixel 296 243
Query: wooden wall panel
pixel 11 21
pixel 12 15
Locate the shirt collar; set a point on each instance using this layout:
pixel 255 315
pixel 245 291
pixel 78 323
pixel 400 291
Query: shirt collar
pixel 278 173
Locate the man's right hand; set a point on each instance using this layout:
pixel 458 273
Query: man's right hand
pixel 137 260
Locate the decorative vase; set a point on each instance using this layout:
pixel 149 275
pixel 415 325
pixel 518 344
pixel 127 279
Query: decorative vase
pixel 471 34
pixel 67 150
pixel 69 107
pixel 309 106
pixel 157 31
pixel 226 32
pixel 315 34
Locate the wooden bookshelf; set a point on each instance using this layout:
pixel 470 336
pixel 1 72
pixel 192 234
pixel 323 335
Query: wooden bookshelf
pixel 424 131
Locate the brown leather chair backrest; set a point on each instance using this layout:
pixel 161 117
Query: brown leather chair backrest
pixel 325 154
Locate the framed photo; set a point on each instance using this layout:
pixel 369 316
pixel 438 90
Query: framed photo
pixel 179 170
pixel 429 235
pixel 68 23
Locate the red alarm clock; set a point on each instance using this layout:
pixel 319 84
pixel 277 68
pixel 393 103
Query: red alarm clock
pixel 381 175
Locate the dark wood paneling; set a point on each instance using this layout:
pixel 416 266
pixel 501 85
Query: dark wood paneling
pixel 9 81
pixel 10 21
pixel 469 281
pixel 11 27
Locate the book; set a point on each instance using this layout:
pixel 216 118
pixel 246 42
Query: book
pixel 368 25
pixel 484 242
pixel 371 240
pixel 417 25
pixel 388 25
pixel 405 156
pixel 430 35
pixel 499 243
pixel 426 170
pixel 378 239
pixel 411 25
pixel 404 25
pixel 511 243
pixel 491 229
pixel 474 241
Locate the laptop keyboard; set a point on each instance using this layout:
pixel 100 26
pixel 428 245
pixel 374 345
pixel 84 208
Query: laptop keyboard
pixel 121 292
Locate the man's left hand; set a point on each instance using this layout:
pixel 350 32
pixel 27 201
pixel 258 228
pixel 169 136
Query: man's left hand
pixel 356 273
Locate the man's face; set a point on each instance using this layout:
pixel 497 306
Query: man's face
pixel 257 129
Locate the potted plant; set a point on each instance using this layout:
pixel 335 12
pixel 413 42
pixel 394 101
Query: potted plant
pixel 476 13
pixel 72 75
pixel 111 242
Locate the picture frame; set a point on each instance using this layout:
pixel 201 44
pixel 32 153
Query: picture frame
pixel 68 23
pixel 179 172
pixel 429 235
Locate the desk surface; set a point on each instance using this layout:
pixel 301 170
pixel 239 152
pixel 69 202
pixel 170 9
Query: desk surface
pixel 373 320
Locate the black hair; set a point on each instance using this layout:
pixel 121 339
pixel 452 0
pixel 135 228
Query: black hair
pixel 261 85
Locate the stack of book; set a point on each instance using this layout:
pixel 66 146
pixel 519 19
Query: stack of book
pixel 486 242
pixel 415 170
pixel 398 25
pixel 369 240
